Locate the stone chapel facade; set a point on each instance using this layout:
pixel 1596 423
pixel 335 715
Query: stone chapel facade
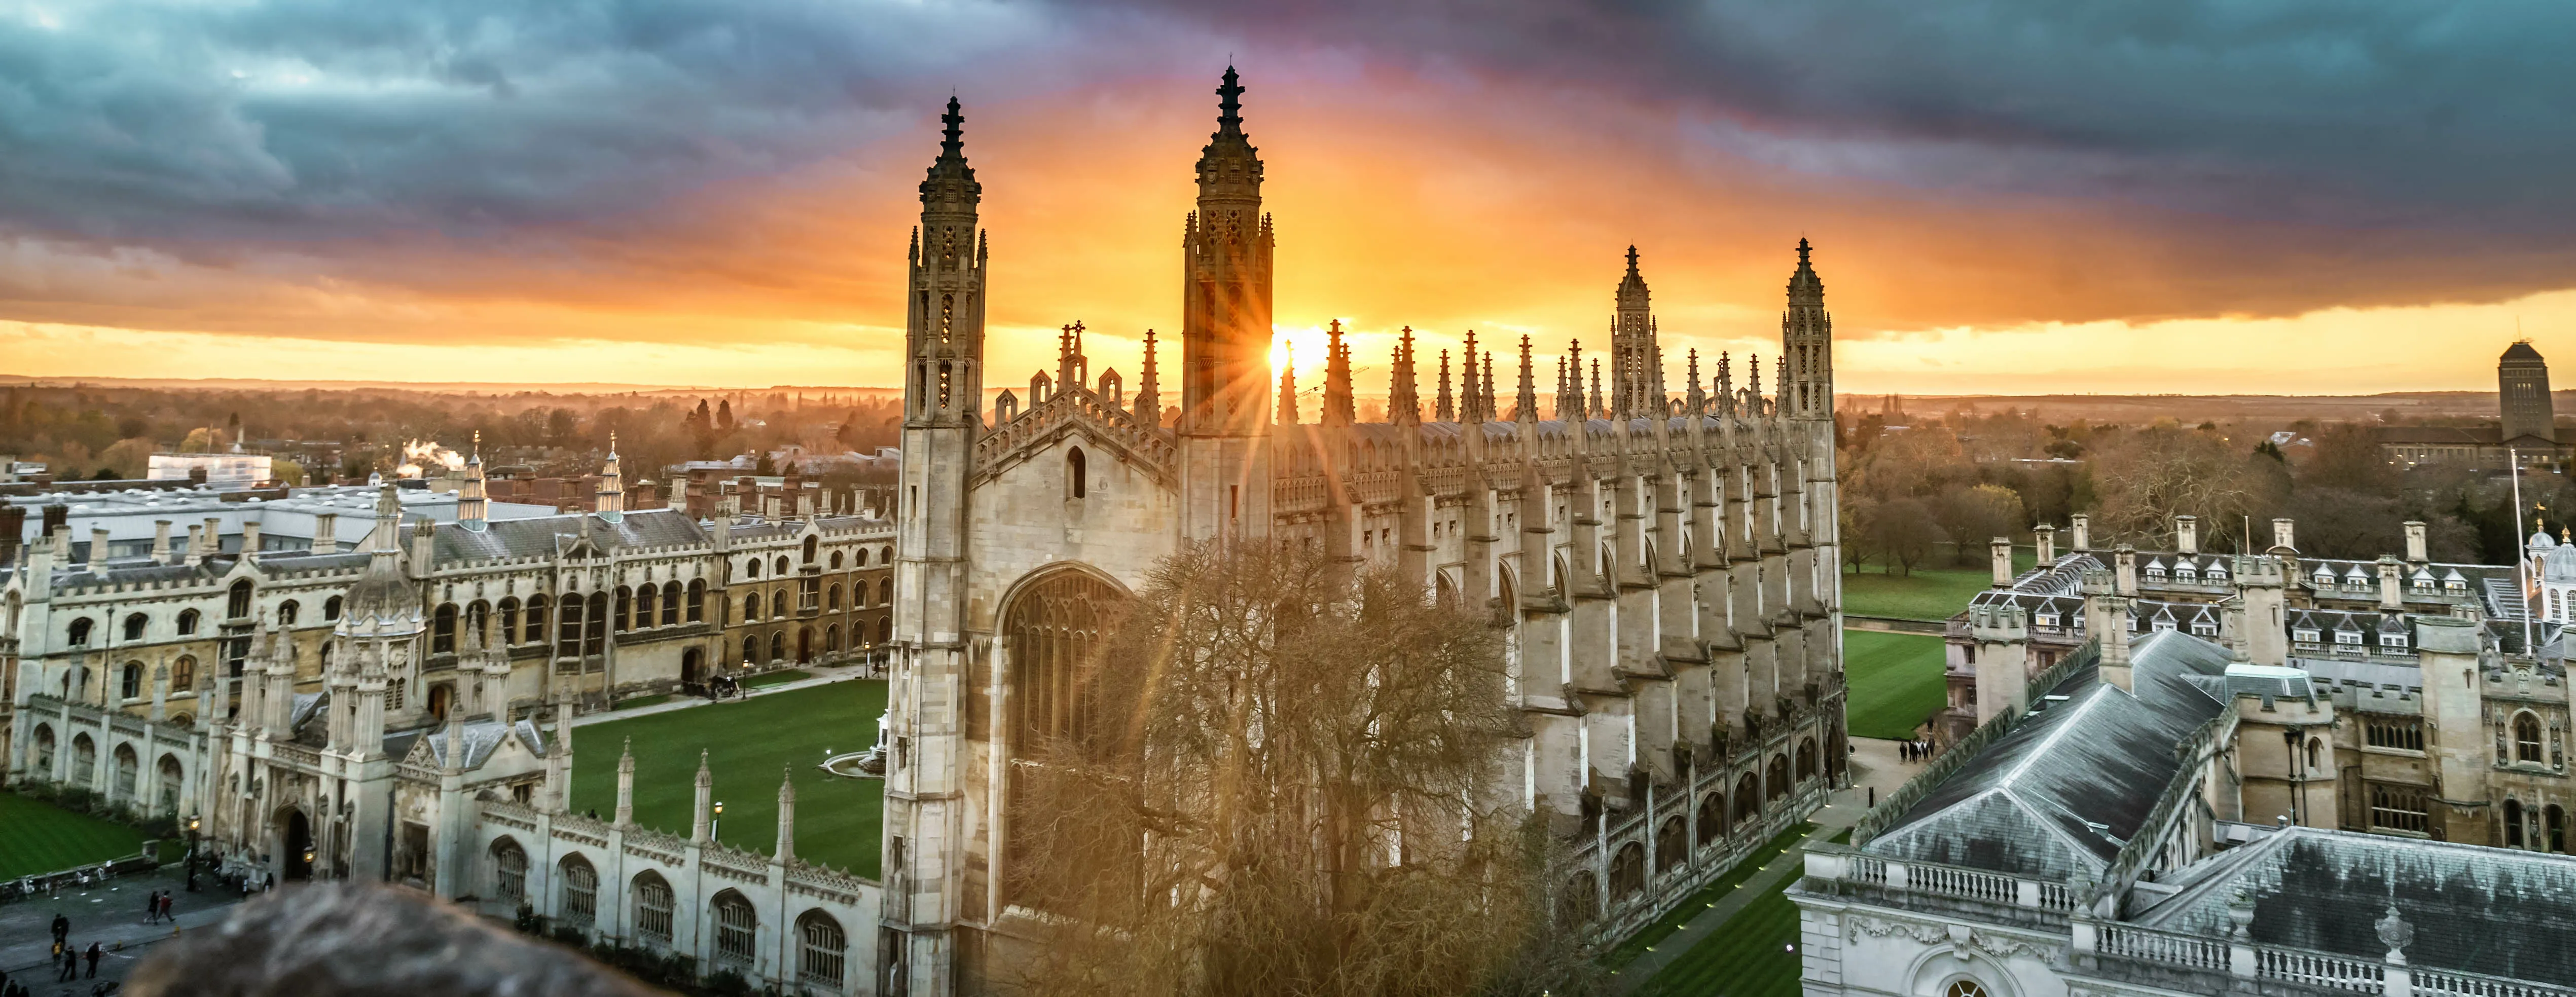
pixel 1663 563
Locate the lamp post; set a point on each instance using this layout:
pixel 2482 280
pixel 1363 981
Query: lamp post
pixel 715 828
pixel 192 853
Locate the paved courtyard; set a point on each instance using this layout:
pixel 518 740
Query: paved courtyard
pixel 111 913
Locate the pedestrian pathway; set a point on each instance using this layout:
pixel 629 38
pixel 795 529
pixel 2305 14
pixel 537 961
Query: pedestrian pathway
pixel 1790 863
pixel 110 914
pixel 822 675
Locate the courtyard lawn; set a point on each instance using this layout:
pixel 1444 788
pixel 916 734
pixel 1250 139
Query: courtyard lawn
pixel 748 743
pixel 1934 593
pixel 1708 896
pixel 38 837
pixel 1894 682
pixel 1754 954
pixel 776 678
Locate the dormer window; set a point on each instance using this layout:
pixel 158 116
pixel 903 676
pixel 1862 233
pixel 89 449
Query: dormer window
pixel 2217 573
pixel 2155 572
pixel 2392 642
pixel 2423 583
pixel 2187 573
pixel 2456 584
pixel 2348 637
pixel 2047 619
pixel 2325 578
pixel 2306 635
pixel 2203 628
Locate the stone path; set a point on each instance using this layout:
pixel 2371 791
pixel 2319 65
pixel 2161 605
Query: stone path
pixel 110 913
pixel 821 676
pixel 1845 811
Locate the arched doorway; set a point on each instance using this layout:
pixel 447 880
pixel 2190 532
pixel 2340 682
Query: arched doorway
pixel 1052 629
pixel 692 668
pixel 296 863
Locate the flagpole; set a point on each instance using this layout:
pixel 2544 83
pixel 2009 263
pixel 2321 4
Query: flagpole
pixel 2522 555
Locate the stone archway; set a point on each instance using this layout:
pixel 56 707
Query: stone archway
pixel 295 840
pixel 1051 627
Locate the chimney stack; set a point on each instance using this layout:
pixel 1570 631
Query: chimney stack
pixel 196 543
pixel 2125 562
pixel 97 547
pixel 161 541
pixel 2001 550
pixel 2082 525
pixel 250 539
pixel 2187 534
pixel 2045 536
pixel 13 531
pixel 2391 597
pixel 2415 542
pixel 2106 614
pixel 214 536
pixel 325 540
pixel 2285 534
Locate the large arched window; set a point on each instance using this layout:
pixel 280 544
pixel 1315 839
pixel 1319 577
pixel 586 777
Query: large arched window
pixel 782 565
pixel 188 619
pixel 237 606
pixel 751 606
pixel 568 628
pixel 645 597
pixel 595 633
pixel 823 950
pixel 737 928
pixel 1712 818
pixel 2526 738
pixel 509 871
pixel 812 544
pixel 653 908
pixel 832 598
pixel 183 674
pixel 1053 627
pixel 671 604
pixel 2513 823
pixel 579 904
pixel 1628 871
pixel 509 612
pixel 134 624
pixel 885 591
pixel 836 560
pixel 751 568
pixel 331 608
pixel 442 629
pixel 536 617
pixel 78 632
pixel 1672 844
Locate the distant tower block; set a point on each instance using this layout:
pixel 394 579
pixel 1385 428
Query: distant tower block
pixel 2522 392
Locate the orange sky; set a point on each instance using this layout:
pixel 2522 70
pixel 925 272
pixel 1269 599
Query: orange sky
pixel 1443 203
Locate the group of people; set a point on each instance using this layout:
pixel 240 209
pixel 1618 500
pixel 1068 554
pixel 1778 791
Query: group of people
pixel 156 908
pixel 1914 752
pixel 67 958
pixel 724 687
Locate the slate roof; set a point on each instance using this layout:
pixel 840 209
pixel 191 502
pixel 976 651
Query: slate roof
pixel 2065 789
pixel 481 738
pixel 540 537
pixel 2497 911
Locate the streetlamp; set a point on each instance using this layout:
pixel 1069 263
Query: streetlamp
pixel 192 853
pixel 715 828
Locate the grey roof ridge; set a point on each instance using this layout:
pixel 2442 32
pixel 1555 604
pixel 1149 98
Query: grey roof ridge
pixel 2002 786
pixel 2012 779
pixel 2220 872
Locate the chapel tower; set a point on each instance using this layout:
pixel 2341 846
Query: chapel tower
pixel 1637 385
pixel 1225 335
pixel 1807 344
pixel 943 385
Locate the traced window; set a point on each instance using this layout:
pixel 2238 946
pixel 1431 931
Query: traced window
pixel 653 908
pixel 737 926
pixel 580 906
pixel 824 949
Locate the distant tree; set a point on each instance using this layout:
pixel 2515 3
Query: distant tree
pixel 287 472
pixel 2146 478
pixel 2348 458
pixel 1972 515
pixel 129 458
pixel 199 440
pixel 561 424
pixel 764 466
pixel 1904 532
pixel 724 415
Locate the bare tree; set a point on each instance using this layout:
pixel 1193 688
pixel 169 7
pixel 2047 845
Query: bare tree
pixel 1283 779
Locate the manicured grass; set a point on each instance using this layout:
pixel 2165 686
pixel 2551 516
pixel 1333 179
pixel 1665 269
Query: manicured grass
pixel 1752 955
pixel 748 743
pixel 776 678
pixel 1895 682
pixel 1935 593
pixel 1708 896
pixel 37 837
pixel 632 702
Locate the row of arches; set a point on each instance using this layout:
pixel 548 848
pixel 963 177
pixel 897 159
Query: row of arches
pixel 821 948
pixel 137 626
pixel 774 647
pixel 1719 816
pixel 121 782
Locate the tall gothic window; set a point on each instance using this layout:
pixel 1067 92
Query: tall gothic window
pixel 1052 629
pixel 737 926
pixel 2526 738
pixel 653 908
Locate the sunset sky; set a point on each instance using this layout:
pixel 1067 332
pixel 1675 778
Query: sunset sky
pixel 2007 196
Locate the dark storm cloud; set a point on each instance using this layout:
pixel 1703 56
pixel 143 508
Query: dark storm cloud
pixel 204 126
pixel 181 121
pixel 2315 111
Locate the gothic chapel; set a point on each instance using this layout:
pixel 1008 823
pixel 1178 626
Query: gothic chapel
pixel 1664 564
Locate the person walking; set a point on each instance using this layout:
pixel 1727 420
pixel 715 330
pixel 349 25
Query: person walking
pixel 62 928
pixel 96 951
pixel 169 907
pixel 152 908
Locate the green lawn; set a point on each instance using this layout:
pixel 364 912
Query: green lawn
pixel 632 702
pixel 748 743
pixel 40 837
pixel 1935 593
pixel 1895 682
pixel 776 678
pixel 1754 954
pixel 1718 889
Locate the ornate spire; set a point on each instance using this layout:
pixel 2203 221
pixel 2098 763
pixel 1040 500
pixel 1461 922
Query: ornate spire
pixel 1448 412
pixel 1337 377
pixel 1697 401
pixel 1287 415
pixel 1564 408
pixel 1598 408
pixel 1725 384
pixel 1486 397
pixel 1636 375
pixel 1403 406
pixel 1753 384
pixel 1467 407
pixel 1570 394
pixel 1806 346
pixel 951 164
pixel 1525 407
pixel 1229 105
pixel 1149 397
